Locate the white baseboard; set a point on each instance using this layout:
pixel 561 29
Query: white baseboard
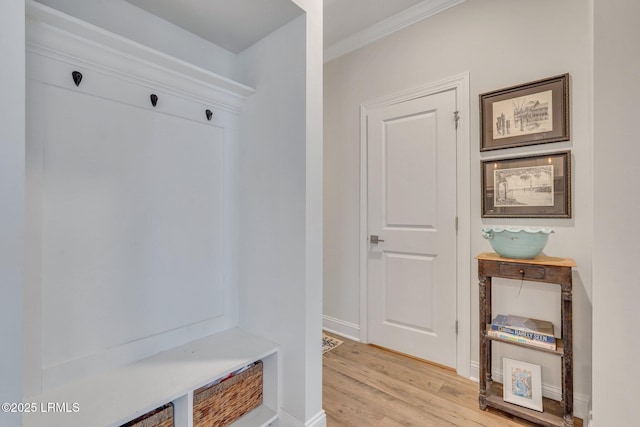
pixel 320 420
pixel 474 371
pixel 340 327
pixel 288 420
pixel 581 408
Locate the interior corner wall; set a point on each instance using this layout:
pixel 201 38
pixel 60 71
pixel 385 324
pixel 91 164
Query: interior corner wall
pixel 616 204
pixel 12 167
pixel 500 43
pixel 272 197
pixel 134 23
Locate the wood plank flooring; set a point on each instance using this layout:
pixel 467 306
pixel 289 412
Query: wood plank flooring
pixel 365 386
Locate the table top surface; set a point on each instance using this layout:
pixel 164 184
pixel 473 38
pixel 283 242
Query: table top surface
pixel 539 260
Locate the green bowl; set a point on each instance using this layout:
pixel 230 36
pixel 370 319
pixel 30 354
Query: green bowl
pixel 517 242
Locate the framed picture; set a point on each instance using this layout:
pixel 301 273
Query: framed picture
pixel 528 114
pixel 522 384
pixel 536 186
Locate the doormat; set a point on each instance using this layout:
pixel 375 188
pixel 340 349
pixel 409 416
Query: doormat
pixel 329 343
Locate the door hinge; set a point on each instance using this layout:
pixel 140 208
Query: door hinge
pixel 456 117
pixel 456 327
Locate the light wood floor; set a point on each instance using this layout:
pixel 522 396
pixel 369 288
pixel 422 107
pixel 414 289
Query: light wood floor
pixel 365 386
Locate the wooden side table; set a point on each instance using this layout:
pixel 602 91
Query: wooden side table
pixel 542 269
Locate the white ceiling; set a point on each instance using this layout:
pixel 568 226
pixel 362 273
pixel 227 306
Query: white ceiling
pixel 237 24
pixel 233 24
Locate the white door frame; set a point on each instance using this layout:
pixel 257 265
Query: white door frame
pixel 460 84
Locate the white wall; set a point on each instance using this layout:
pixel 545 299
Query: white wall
pixel 127 20
pixel 12 148
pixel 271 201
pixel 616 202
pixel 280 205
pixel 500 43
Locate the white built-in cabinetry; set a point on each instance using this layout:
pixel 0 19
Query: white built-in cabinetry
pixel 129 301
pixel 126 392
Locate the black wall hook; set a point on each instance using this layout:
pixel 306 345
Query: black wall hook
pixel 77 77
pixel 154 99
pixel 209 114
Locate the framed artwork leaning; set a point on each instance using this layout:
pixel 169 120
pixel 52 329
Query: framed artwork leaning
pixel 522 384
pixel 537 186
pixel 527 114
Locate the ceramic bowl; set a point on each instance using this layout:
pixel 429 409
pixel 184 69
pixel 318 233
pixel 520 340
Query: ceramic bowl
pixel 517 242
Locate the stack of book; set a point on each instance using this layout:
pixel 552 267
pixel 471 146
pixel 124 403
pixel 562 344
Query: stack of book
pixel 534 332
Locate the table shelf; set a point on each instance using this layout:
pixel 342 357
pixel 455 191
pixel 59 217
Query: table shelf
pixel 552 415
pixel 559 351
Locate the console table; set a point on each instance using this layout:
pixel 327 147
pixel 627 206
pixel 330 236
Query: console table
pixel 543 269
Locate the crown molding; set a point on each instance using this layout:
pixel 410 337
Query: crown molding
pixel 388 26
pixel 58 34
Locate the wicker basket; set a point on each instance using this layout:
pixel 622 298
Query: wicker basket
pixel 161 417
pixel 223 403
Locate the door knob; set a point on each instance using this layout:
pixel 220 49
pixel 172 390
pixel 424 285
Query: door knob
pixel 375 239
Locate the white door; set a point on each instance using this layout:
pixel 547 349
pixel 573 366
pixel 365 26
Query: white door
pixel 411 150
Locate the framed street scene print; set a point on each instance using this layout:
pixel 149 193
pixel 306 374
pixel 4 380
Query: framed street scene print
pixel 528 114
